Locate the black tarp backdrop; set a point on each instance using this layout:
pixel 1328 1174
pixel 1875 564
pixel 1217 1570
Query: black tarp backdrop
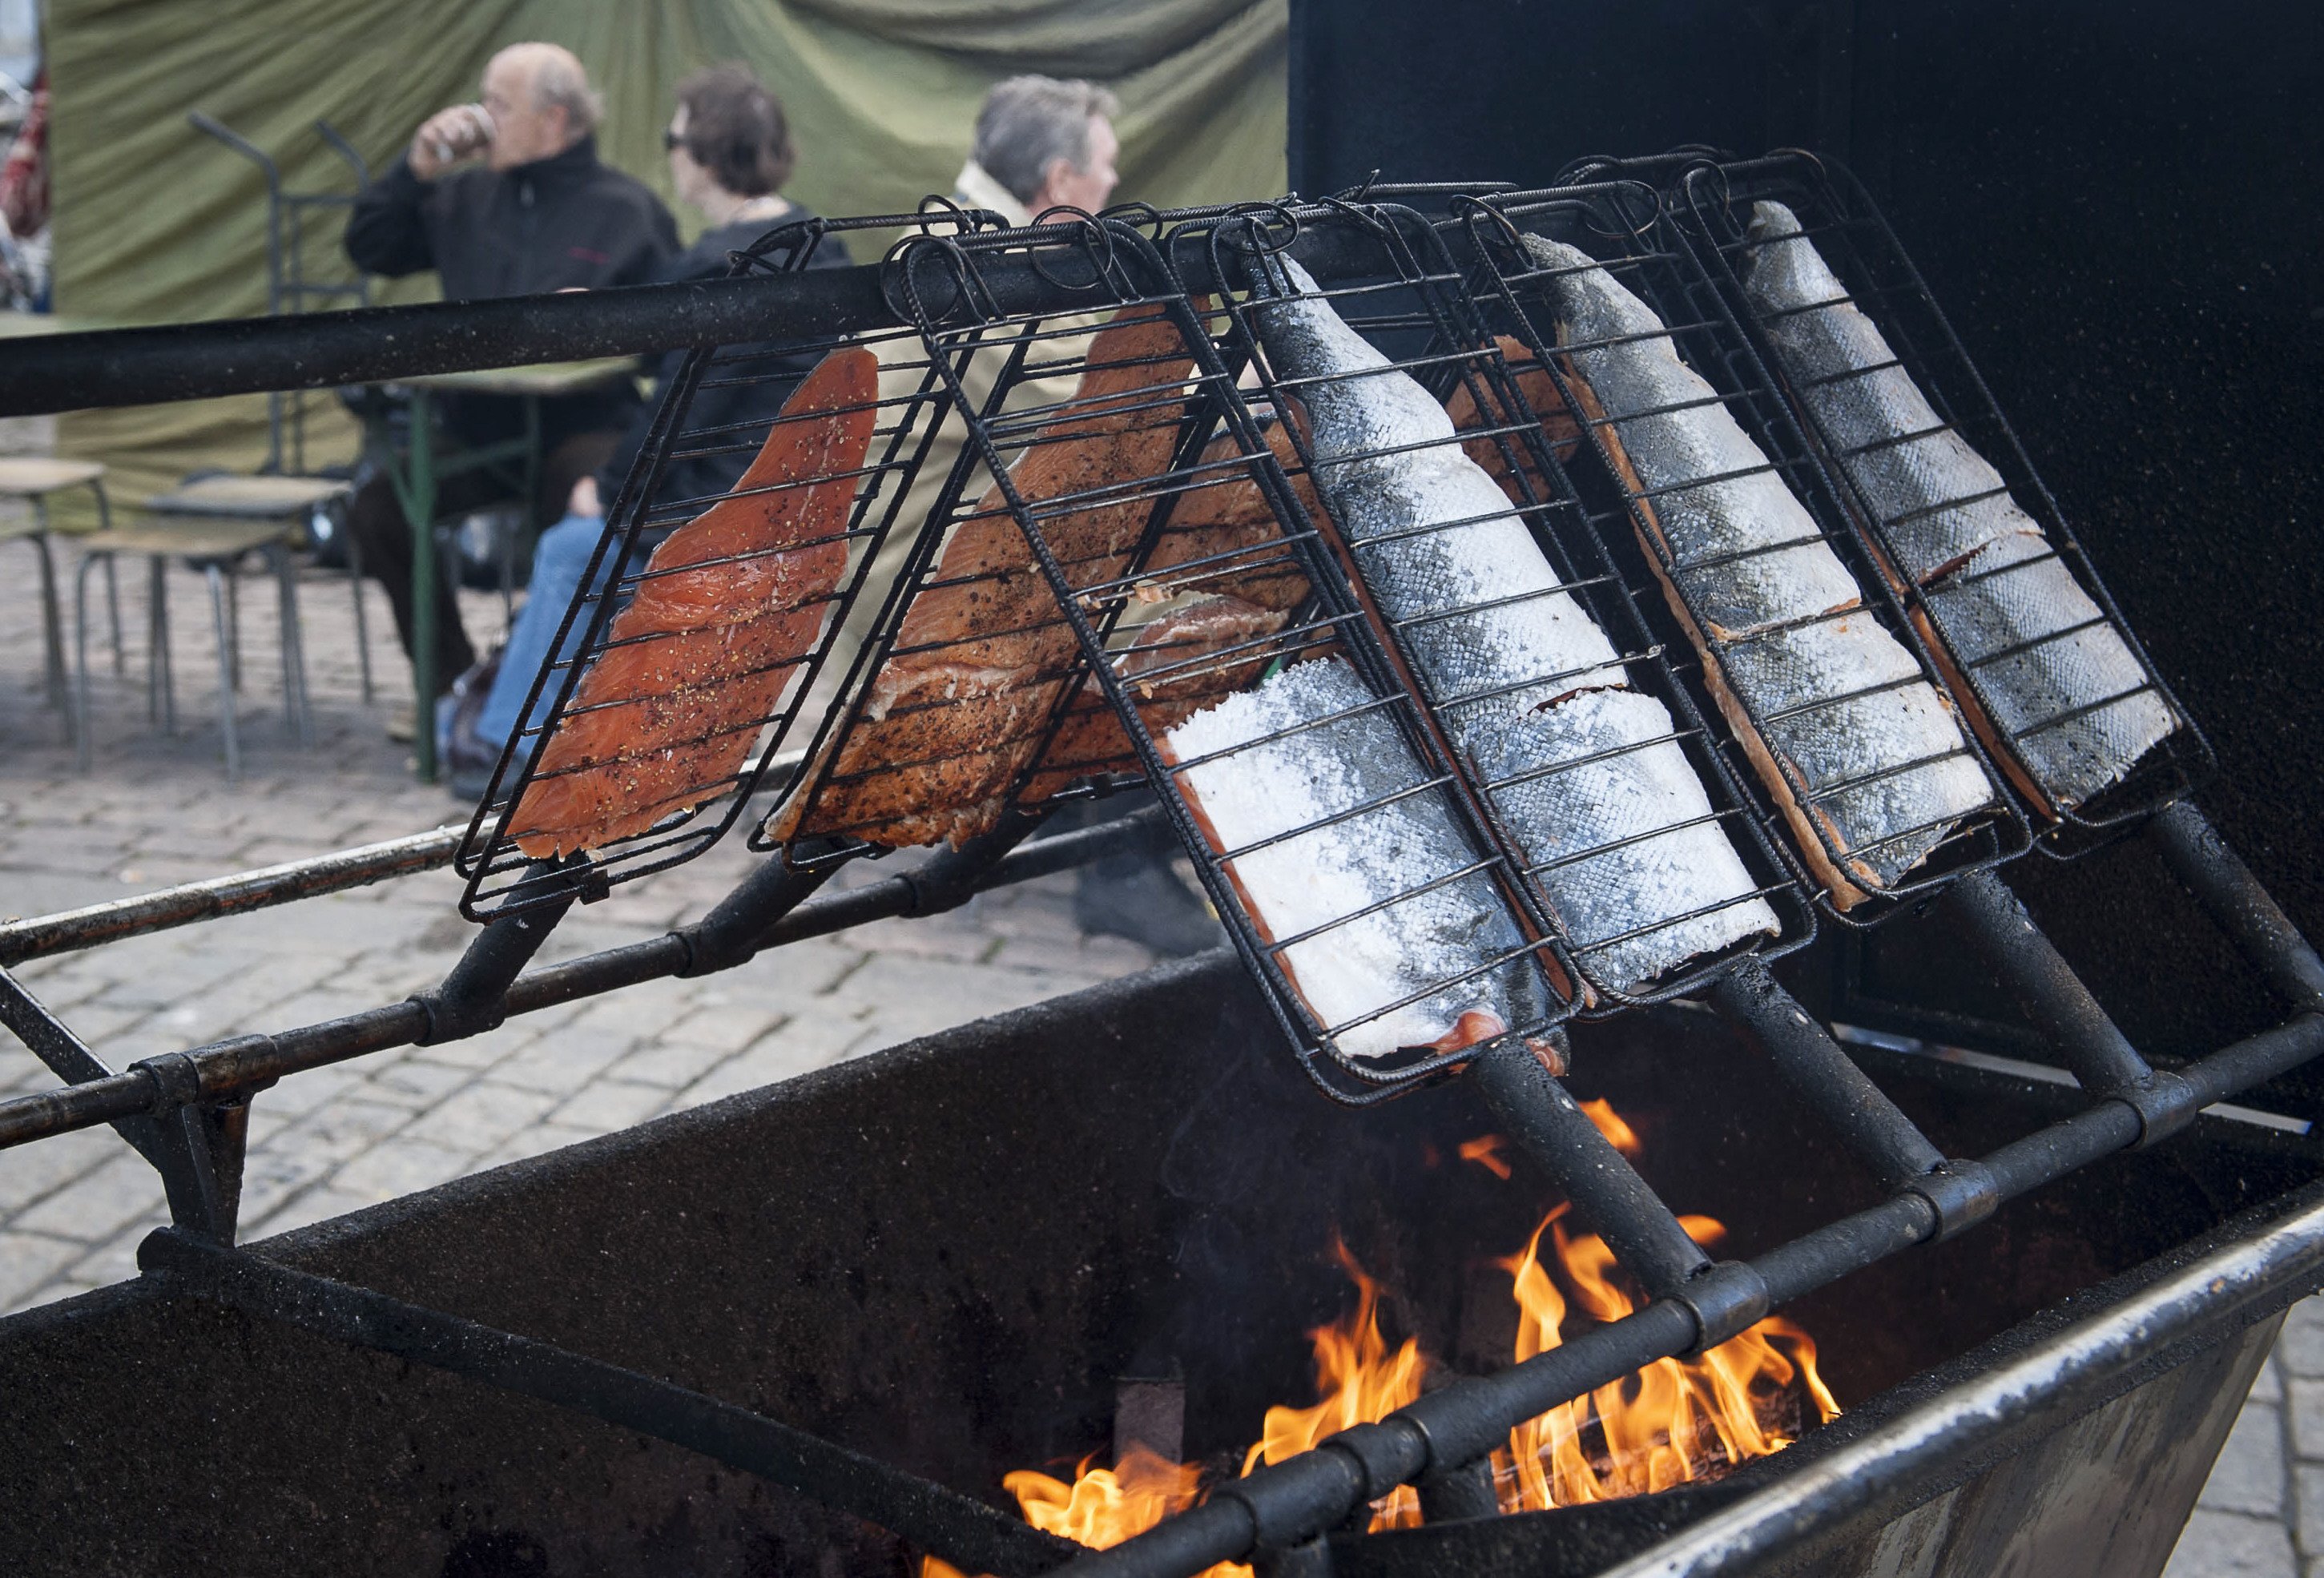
pixel 2113 200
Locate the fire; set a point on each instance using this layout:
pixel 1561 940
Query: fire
pixel 1359 1381
pixel 1675 1421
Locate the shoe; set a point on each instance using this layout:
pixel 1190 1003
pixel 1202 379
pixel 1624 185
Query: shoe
pixel 469 758
pixel 1140 897
pixel 402 725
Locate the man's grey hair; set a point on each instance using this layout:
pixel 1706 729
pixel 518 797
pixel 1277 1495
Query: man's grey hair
pixel 1028 122
pixel 558 81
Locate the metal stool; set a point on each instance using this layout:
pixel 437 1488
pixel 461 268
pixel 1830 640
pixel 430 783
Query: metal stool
pixel 32 479
pixel 212 523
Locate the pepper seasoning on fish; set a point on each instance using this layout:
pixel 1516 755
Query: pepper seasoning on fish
pixel 1371 884
pixel 1861 752
pixel 726 610
pixel 2060 694
pixel 1583 771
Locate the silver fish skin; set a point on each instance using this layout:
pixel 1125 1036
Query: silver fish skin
pixel 2070 701
pixel 1323 874
pixel 1883 771
pixel 1525 680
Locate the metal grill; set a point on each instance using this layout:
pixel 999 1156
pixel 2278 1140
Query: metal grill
pixel 1032 296
pixel 1117 548
pixel 1713 204
pixel 1619 228
pixel 707 772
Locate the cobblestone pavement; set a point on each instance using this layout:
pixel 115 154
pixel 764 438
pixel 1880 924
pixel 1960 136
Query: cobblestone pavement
pixel 158 810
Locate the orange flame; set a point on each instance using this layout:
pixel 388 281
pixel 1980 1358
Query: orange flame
pixel 1485 1150
pixel 1673 1421
pixel 1359 1381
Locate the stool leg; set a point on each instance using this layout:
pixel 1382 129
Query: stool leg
pixel 161 694
pixel 234 620
pixel 81 750
pixel 294 649
pixel 363 630
pixel 220 586
pixel 52 632
pixel 112 580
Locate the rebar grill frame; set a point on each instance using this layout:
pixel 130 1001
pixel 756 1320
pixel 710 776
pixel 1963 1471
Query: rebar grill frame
pixel 502 880
pixel 1649 259
pixel 187 1112
pixel 1407 291
pixel 1126 273
pixel 1839 217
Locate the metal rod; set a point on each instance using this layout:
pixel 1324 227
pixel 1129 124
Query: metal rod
pixel 68 929
pixel 2232 897
pixel 1550 1128
pixel 973 1537
pixel 2059 1377
pixel 2039 977
pixel 1813 1064
pixel 378 345
pixel 225 1069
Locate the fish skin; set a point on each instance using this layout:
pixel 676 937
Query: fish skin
pixel 1433 532
pixel 1945 521
pixel 1782 629
pixel 1266 788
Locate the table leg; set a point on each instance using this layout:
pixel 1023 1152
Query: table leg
pixel 419 508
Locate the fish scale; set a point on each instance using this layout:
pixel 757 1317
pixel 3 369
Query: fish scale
pixel 1524 679
pixel 2066 696
pixel 1323 874
pixel 1798 665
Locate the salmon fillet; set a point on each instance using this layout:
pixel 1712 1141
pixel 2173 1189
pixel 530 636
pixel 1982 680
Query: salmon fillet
pixel 724 613
pixel 1090 741
pixel 983 656
pixel 1230 515
pixel 1540 392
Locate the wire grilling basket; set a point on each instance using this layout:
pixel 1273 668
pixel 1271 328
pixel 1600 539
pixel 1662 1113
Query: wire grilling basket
pixel 1834 707
pixel 1117 548
pixel 681 711
pixel 1590 766
pixel 2043 735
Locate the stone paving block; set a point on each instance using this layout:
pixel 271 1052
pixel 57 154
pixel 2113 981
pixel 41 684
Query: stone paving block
pixel 2308 1504
pixel 540 1138
pixel 28 1261
pixel 778 1057
pixel 2307 1405
pixel 2301 1348
pixel 2228 1544
pixel 2267 1386
pixel 301 1093
pixel 28 1172
pixel 272 1175
pixel 410 1080
pixel 114 1260
pixel 483 1115
pixel 318 1205
pixel 120 1190
pixel 564 1060
pixel 903 998
pixel 409 1164
pixel 355 1120
pixel 2249 1476
pixel 671 1065
pixel 723 1028
pixel 607 1104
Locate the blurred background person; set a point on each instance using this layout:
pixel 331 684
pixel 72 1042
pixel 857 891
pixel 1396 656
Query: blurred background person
pixel 1041 143
pixel 540 213
pixel 729 152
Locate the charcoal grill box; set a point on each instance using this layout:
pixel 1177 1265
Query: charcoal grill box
pixel 947 1254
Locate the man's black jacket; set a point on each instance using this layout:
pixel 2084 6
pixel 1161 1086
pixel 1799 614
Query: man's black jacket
pixel 562 221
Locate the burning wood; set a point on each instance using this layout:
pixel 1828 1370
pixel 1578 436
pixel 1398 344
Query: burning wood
pixel 1675 1422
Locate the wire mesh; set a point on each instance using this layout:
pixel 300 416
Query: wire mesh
pixel 1943 492
pixel 748 527
pixel 1836 714
pixel 1121 581
pixel 1588 762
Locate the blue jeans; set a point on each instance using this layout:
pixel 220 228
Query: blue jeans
pixel 559 561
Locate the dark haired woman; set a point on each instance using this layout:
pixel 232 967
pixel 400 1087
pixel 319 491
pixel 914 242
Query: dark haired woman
pixel 729 152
